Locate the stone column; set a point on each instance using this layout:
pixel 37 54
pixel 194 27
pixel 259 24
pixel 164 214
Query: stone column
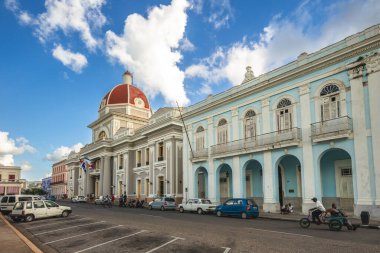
pixel 270 202
pixel 187 166
pixel 101 177
pixel 211 170
pixel 190 174
pixel 373 71
pixel 237 184
pixel 362 174
pixel 235 124
pixel 125 170
pixel 152 159
pixel 106 182
pixel 307 167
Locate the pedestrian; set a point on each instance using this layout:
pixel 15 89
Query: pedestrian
pixel 112 199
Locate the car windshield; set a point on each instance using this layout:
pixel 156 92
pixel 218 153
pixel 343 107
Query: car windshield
pixel 19 206
pixel 51 204
pixel 251 202
pixel 169 199
pixel 206 201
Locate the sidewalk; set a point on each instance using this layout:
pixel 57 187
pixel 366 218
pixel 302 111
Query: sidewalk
pixel 295 217
pixel 12 241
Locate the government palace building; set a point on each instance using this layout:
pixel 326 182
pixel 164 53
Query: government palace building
pixel 308 129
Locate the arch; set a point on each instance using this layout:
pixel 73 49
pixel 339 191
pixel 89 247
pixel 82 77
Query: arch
pixel 200 129
pixel 224 182
pixel 283 97
pixel 249 114
pixel 284 103
pixel 201 182
pixel 253 180
pixel 337 82
pixel 289 180
pixel 222 122
pixel 328 89
pixel 336 174
pixel 102 135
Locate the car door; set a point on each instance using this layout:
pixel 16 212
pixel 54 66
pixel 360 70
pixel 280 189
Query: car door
pixel 228 206
pixel 237 206
pixel 39 209
pixel 52 208
pixel 195 205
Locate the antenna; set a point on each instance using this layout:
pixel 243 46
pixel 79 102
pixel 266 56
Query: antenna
pixel 183 122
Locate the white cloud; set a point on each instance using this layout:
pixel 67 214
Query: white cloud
pixel 284 39
pixel 221 13
pixel 26 166
pixel 10 147
pixel 196 6
pixel 150 49
pixel 186 45
pixel 67 15
pixel 62 152
pixel 74 61
pixel 23 16
pixel 12 5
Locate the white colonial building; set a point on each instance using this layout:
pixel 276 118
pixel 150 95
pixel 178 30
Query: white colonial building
pixel 132 150
pixel 307 129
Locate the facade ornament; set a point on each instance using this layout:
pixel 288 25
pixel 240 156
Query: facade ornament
pixel 356 72
pixel 265 102
pixel 234 112
pixel 304 89
pixel 210 120
pixel 373 63
pixel 248 75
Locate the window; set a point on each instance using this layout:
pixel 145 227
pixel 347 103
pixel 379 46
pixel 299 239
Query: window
pixel 102 135
pixel 19 206
pixel 330 102
pixel 147 186
pixel 121 161
pixel 38 204
pixel 200 138
pixel 229 202
pixel 160 151
pixel 4 199
pixel 11 178
pixel 51 204
pixel 12 199
pixel 169 199
pixel 346 172
pixel 250 124
pixel 206 201
pixel 147 156
pixel 284 115
pixel 24 198
pixel 28 205
pixel 139 158
pixel 222 132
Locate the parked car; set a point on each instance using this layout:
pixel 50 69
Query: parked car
pixel 8 201
pixel 197 205
pixel 37 209
pixel 99 200
pixel 52 198
pixel 238 207
pixel 79 199
pixel 165 203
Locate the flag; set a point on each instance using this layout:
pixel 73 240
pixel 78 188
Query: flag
pixel 83 165
pixel 89 163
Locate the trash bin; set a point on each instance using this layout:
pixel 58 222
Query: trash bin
pixel 364 215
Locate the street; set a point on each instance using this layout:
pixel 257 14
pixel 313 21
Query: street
pixel 92 228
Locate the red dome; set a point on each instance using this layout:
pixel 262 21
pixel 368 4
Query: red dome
pixel 125 94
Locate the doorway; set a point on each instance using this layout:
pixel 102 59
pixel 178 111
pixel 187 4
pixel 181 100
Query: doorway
pixel 160 186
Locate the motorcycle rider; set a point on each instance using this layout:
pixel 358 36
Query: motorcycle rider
pixel 317 210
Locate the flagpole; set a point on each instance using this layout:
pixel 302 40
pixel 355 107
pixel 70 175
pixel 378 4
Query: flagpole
pixel 183 122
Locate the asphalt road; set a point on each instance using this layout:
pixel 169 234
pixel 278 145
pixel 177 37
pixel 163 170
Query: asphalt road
pixel 93 228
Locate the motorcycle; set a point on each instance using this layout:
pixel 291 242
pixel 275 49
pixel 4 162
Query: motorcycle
pixel 335 221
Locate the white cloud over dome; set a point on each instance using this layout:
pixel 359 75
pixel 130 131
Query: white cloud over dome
pixel 62 152
pixel 150 48
pixel 75 61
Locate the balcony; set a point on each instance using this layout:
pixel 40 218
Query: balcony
pixel 273 140
pixel 199 155
pixel 331 129
pixel 95 172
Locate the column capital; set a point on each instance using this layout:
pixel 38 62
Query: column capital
pixel 355 71
pixel 373 64
pixel 210 121
pixel 234 111
pixel 304 89
pixel 265 102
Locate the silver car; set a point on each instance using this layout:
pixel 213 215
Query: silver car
pixel 165 203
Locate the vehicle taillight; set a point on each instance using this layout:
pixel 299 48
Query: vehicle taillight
pixel 165 203
pixel 248 208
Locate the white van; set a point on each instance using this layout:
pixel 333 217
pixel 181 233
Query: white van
pixel 8 201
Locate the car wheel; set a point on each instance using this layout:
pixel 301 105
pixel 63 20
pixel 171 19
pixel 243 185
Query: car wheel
pixel 29 218
pixel 65 213
pixel 181 210
pixel 150 207
pixel 244 215
pixel 219 213
pixel 199 211
pixel 162 208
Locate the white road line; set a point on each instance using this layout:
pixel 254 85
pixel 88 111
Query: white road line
pixel 151 215
pixel 279 232
pixel 82 234
pixel 98 245
pixel 163 245
pixel 226 249
pixel 55 223
pixel 68 228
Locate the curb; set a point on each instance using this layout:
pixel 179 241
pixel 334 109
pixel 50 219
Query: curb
pixel 28 243
pixel 293 220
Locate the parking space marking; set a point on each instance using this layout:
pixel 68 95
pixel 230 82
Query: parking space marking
pixel 279 232
pixel 151 215
pixel 54 223
pixel 81 234
pixel 67 228
pixel 163 245
pixel 226 250
pixel 101 244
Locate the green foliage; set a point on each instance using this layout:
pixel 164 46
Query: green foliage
pixel 35 191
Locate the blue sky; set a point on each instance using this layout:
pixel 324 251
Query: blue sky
pixel 59 58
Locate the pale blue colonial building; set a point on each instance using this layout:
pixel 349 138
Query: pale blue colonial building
pixel 309 128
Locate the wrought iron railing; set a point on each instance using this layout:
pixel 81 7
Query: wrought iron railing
pixel 199 154
pixel 333 127
pixel 259 141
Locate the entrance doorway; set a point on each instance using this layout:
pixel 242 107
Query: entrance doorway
pixel 138 188
pixel 160 186
pixel 280 189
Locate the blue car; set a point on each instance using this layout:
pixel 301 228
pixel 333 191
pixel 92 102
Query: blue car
pixel 241 207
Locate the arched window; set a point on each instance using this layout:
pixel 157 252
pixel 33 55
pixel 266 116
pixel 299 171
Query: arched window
pixel 102 135
pixel 222 131
pixel 250 124
pixel 330 102
pixel 200 138
pixel 284 115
